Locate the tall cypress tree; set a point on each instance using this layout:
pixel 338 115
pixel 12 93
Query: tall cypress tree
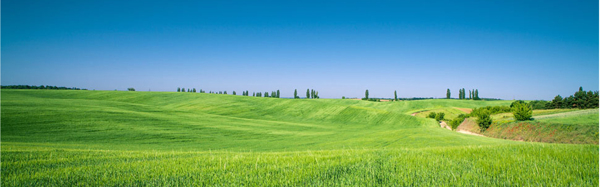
pixel 367 94
pixel 308 93
pixel 448 93
pixel 295 93
pixel 278 94
pixel 395 96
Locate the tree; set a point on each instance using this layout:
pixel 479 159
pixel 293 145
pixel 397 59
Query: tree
pixel 225 92
pixel 439 116
pixel 178 89
pixel 470 94
pixel 557 102
pixel 316 94
pixel 295 93
pixel 476 97
pixel 367 94
pixel 395 96
pixel 521 111
pixel 266 94
pixel 308 93
pixel 278 94
pixel 182 89
pixel 484 121
pixel 194 90
pixel 448 93
pixel 431 115
pixel 312 93
pixel 130 89
pixel 233 92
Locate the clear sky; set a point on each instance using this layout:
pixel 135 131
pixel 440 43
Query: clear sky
pixel 506 49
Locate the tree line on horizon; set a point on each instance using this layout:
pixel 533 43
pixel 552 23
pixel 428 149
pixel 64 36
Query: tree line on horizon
pixel 40 87
pixel 462 94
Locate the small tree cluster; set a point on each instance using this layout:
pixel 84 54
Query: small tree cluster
pixel 312 94
pixel 473 94
pixel 130 89
pixel 484 121
pixel 437 116
pixel 581 99
pixel 521 111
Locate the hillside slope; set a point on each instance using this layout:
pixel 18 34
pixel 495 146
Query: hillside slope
pixel 193 121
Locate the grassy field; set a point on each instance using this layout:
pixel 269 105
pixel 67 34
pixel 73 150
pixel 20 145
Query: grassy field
pixel 107 138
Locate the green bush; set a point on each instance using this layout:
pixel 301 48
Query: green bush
pixel 439 116
pixel 522 111
pixel 431 115
pixel 456 122
pixel 484 121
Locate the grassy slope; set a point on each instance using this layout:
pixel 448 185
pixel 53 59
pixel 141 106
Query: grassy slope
pixel 554 126
pixel 152 138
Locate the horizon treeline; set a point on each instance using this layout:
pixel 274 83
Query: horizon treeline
pixel 40 87
pixel 581 100
pixel 462 94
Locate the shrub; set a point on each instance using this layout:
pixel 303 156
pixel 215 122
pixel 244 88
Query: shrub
pixel 484 121
pixel 343 97
pixel 439 116
pixel 431 115
pixel 131 89
pixel 456 122
pixel 522 111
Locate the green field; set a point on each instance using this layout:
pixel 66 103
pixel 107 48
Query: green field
pixel 115 138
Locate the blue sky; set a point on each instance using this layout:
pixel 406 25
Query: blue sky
pixel 505 49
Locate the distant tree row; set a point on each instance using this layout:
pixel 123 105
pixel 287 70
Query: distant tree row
pixel 311 94
pixel 581 99
pixel 462 94
pixel 39 87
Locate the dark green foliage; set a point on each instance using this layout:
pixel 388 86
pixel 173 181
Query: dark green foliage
pixel 516 102
pixel 457 121
pixel 178 89
pixel 521 110
pixel 557 102
pixel 194 90
pixel 130 89
pixel 225 92
pixel 395 96
pixel 367 94
pixel 278 94
pixel 431 115
pixel 490 110
pixel 439 116
pixel 296 93
pixel 308 93
pixel 234 93
pixel 448 93
pixel 343 97
pixel 540 104
pixel 39 87
pixel 484 121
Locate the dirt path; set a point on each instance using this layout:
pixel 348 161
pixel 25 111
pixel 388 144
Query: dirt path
pixel 414 114
pixel 444 125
